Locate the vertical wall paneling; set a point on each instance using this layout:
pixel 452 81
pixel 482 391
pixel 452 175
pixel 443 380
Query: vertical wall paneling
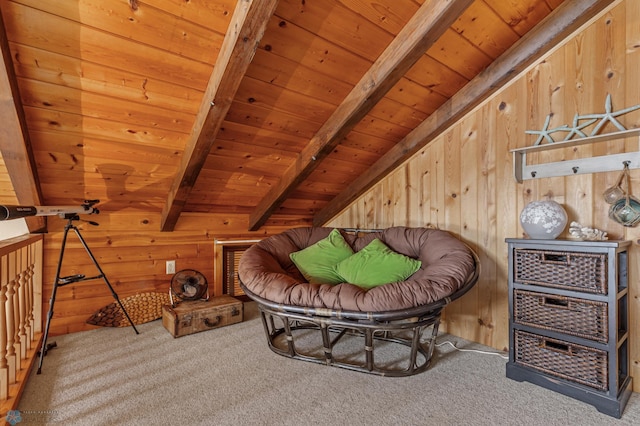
pixel 437 184
pixel 487 295
pixel 580 68
pixel 470 168
pixel 466 175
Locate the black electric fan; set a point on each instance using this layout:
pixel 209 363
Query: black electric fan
pixel 188 284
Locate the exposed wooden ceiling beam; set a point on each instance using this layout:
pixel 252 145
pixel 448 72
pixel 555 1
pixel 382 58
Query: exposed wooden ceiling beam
pixel 15 144
pixel 245 31
pixel 563 21
pixel 425 27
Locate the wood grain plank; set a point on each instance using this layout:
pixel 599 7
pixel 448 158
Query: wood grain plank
pixel 563 21
pixel 479 25
pixel 265 137
pixel 64 145
pixel 105 172
pixel 488 288
pixel 611 32
pixel 467 196
pixel 240 43
pixel 250 152
pixel 63 37
pixel 581 68
pixel 277 121
pixel 290 101
pixel 304 48
pixel 367 143
pixel 389 15
pixel 54 68
pixel 58 98
pixel 457 53
pixel 554 3
pixel 260 93
pixel 141 196
pixel 58 164
pixel 209 178
pixel 442 80
pixel 398 114
pixel 127 257
pixel 509 124
pixel 45 120
pixel 397 58
pixel 146 25
pixel 7 193
pixel 302 205
pixel 438 182
pixel 285 72
pixel 373 126
pixel 424 173
pixel 15 143
pixel 339 25
pixel 215 15
pixel 521 15
pixel 306 81
pixel 418 97
pixel 631 12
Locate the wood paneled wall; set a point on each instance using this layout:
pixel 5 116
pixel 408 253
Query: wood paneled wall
pixel 132 252
pixel 463 180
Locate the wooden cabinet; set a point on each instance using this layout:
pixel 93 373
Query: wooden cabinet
pixel 569 319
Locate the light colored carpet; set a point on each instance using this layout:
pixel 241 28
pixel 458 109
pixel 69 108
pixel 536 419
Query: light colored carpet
pixel 228 376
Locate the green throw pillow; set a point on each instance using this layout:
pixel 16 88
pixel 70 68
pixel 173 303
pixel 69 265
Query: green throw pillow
pixel 317 261
pixel 376 264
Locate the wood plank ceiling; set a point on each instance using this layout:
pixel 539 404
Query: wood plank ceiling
pixel 273 109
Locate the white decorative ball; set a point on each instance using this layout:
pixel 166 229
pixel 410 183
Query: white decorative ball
pixel 543 220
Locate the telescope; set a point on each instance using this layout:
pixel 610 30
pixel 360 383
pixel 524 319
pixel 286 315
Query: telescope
pixel 17 212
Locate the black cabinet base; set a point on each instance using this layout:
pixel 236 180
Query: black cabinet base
pixel 612 405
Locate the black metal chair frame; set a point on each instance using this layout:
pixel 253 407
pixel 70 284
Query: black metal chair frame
pixel 404 327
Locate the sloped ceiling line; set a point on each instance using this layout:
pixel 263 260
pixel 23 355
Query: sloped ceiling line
pixel 14 138
pixel 422 31
pixel 246 29
pixel 563 21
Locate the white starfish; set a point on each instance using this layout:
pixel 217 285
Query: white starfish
pixel 545 133
pixel 608 116
pixel 577 129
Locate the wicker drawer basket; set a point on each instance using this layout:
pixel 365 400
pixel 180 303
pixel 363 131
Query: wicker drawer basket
pixel 578 317
pixel 569 361
pixel 585 272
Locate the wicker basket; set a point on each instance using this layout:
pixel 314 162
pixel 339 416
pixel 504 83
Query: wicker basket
pixel 569 361
pixel 585 272
pixel 577 317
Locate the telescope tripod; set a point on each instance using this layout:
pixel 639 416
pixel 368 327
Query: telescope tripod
pixel 62 281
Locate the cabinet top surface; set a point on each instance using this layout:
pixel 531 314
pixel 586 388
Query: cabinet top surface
pixel 564 242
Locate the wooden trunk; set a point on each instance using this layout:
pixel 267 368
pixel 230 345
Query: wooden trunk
pixel 192 317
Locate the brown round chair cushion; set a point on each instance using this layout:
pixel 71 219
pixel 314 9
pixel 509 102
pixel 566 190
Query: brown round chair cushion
pixel 267 271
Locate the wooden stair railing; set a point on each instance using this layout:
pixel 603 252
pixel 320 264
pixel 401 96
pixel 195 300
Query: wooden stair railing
pixel 20 315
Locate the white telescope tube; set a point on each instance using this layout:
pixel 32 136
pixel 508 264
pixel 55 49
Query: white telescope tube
pixel 16 212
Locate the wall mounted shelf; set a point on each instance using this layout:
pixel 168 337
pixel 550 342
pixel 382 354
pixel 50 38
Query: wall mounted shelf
pixel 606 163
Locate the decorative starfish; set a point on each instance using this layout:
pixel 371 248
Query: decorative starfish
pixel 577 128
pixel 545 133
pixel 608 116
